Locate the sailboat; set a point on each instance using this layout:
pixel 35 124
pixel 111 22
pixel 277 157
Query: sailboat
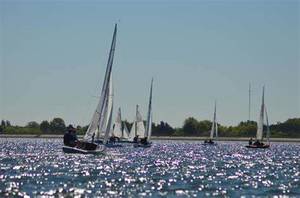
pixel 260 127
pixel 138 129
pixel 214 128
pixel 145 142
pixel 100 125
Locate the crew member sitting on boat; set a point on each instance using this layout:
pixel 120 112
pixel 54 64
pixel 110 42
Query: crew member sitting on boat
pixel 250 141
pixel 70 137
pixel 144 141
pixel 208 141
pixel 135 139
pixel 112 139
pixel 258 143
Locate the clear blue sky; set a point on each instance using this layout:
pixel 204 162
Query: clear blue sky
pixel 53 57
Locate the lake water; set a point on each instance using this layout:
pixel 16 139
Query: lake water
pixel 37 167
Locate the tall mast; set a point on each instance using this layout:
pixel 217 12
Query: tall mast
pixel 149 116
pixel 136 115
pixel 249 105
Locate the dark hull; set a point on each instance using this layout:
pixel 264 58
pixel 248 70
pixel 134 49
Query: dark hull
pixel 206 143
pixel 68 149
pixel 258 146
pixel 136 145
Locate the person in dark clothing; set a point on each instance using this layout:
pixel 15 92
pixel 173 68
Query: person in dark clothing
pixel 250 141
pixel 144 141
pixel 135 139
pixel 70 137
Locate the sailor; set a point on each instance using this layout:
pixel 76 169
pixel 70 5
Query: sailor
pixel 250 141
pixel 70 137
pixel 144 141
pixel 93 137
pixel 135 139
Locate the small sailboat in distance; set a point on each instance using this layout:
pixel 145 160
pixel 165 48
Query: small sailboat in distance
pixel 138 129
pixel 214 128
pixel 260 127
pixel 101 120
pixel 145 142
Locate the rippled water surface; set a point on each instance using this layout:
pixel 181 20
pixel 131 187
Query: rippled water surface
pixel 37 167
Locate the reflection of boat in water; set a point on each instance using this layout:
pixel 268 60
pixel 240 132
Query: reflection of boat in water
pixel 145 142
pixel 214 130
pixel 100 124
pixel 260 128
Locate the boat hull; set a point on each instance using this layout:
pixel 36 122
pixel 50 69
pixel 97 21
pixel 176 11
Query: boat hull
pixel 136 145
pixel 211 144
pixel 258 146
pixel 75 150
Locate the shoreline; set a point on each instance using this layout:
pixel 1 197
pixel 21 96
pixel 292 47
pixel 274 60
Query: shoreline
pixel 246 139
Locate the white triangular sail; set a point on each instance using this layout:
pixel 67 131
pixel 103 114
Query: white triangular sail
pixel 103 106
pixel 260 124
pixel 118 125
pixel 149 115
pixel 214 128
pixel 125 132
pixel 108 121
pixel 268 128
pixel 132 133
pixel 140 128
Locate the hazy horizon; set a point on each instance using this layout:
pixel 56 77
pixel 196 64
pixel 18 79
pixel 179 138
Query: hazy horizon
pixel 53 56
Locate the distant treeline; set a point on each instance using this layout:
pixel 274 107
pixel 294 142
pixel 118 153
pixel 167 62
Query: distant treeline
pixel 191 127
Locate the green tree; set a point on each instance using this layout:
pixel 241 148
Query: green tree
pixel 3 123
pixel 190 126
pixel 45 126
pixel 57 125
pixel 33 124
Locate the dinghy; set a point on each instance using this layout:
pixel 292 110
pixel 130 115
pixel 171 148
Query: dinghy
pixel 214 129
pixel 100 125
pixel 137 128
pixel 260 127
pixel 145 143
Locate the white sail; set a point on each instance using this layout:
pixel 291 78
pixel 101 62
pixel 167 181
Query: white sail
pixel 109 111
pixel 260 124
pixel 140 128
pixel 132 133
pixel 214 128
pixel 118 125
pixel 149 115
pixel 100 112
pixel 268 128
pixel 125 131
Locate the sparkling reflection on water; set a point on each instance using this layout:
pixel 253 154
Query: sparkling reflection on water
pixel 37 167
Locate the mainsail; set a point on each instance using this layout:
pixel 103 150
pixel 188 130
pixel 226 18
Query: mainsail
pixel 125 131
pixel 268 128
pixel 260 124
pixel 149 115
pixel 214 128
pixel 103 106
pixel 137 128
pixel 118 125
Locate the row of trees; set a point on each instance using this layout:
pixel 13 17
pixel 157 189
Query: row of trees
pixel 191 127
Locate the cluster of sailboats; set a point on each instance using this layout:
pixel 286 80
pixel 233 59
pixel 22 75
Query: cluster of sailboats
pixel 100 133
